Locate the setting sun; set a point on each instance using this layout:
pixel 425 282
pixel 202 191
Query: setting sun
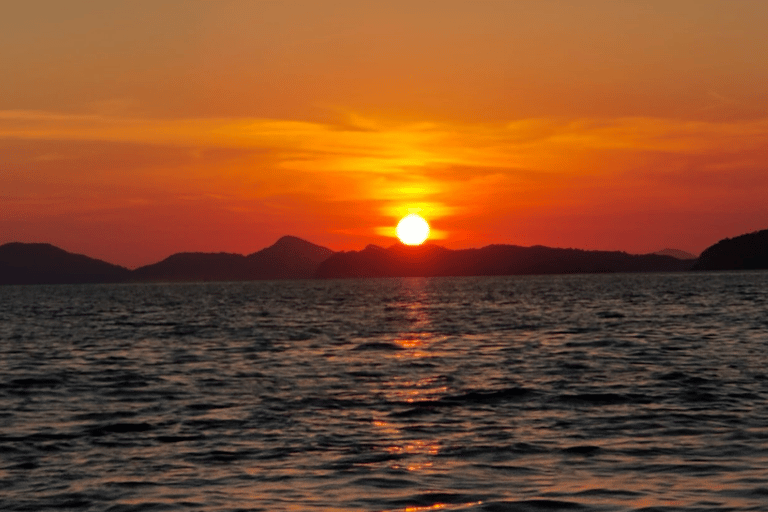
pixel 412 229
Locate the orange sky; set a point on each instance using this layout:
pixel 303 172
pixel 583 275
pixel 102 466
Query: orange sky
pixel 130 130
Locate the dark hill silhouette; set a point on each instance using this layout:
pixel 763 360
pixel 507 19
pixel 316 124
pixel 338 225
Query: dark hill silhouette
pixel 23 263
pixel 745 252
pixel 676 253
pixel 194 266
pixel 294 258
pixel 288 258
pixel 432 260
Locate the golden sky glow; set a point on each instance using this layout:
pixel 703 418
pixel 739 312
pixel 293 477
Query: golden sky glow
pixel 132 130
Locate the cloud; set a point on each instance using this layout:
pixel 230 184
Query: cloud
pixel 448 166
pixel 417 143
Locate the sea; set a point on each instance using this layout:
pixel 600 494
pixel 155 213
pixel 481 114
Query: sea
pixel 609 392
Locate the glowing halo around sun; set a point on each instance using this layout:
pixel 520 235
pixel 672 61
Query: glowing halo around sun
pixel 412 229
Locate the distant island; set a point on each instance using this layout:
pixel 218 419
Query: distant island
pixel 22 263
pixel 293 258
pixel 676 253
pixel 288 258
pixel 745 252
pixel 432 260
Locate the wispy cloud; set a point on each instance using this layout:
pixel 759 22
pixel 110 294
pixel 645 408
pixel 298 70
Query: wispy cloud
pixel 438 167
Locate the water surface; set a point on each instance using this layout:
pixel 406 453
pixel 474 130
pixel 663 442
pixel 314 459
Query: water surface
pixel 590 392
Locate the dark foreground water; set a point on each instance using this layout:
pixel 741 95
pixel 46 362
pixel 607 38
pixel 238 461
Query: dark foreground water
pixel 602 392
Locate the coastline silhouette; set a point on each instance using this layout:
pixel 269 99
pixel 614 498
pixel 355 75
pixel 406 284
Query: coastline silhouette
pixel 745 252
pixel 294 258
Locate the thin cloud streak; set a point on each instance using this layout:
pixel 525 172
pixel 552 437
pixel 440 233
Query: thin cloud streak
pixel 403 146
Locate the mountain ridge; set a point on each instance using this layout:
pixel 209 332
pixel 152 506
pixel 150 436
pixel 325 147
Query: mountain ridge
pixel 676 253
pixel 289 257
pixel 43 263
pixel 496 259
pixel 292 257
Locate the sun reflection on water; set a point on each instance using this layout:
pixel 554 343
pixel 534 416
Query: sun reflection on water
pixel 436 506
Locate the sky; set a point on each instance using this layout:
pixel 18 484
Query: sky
pixel 132 130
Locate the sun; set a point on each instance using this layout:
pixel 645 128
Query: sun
pixel 412 229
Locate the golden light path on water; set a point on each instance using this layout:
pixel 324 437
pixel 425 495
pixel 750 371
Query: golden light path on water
pixel 591 392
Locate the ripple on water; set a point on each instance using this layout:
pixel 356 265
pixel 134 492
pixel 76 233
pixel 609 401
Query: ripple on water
pixel 595 393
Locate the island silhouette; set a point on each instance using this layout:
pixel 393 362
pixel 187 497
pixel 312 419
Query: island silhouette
pixel 289 258
pixel 429 260
pixel 40 263
pixel 294 258
pixel 745 252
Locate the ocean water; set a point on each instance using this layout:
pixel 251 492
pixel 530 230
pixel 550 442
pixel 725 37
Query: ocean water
pixel 587 393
